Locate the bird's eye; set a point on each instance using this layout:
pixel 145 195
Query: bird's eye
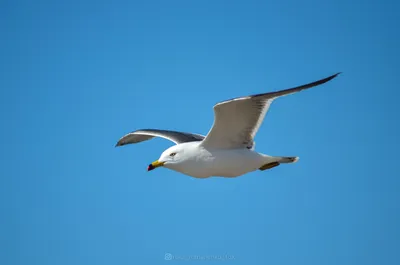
pixel 172 154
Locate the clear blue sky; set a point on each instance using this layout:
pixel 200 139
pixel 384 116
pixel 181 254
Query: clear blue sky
pixel 75 76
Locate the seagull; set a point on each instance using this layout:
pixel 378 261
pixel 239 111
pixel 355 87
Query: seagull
pixel 228 150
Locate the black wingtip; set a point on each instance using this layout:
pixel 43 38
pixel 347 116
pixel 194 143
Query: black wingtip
pixel 329 78
pixel 333 76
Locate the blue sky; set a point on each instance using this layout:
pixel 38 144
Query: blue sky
pixel 78 75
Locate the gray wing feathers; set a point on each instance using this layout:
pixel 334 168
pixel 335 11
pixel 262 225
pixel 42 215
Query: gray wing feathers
pixel 295 89
pixel 276 94
pixel 147 134
pixel 236 121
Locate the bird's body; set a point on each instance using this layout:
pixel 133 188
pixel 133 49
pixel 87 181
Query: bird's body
pixel 201 162
pixel 228 148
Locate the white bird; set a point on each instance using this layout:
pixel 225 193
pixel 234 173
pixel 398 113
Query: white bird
pixel 228 148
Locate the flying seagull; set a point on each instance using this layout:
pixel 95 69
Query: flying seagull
pixel 228 148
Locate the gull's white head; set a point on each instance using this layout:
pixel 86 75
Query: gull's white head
pixel 170 158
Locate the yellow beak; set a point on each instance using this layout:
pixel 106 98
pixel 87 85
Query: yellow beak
pixel 154 165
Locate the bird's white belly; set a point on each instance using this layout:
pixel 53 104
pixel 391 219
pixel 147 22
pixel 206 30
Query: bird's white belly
pixel 223 163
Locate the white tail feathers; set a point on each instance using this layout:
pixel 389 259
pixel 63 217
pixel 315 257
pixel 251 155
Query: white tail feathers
pixel 274 161
pixel 287 159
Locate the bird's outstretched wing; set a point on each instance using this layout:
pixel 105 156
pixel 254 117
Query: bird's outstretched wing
pixel 147 134
pixel 236 121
